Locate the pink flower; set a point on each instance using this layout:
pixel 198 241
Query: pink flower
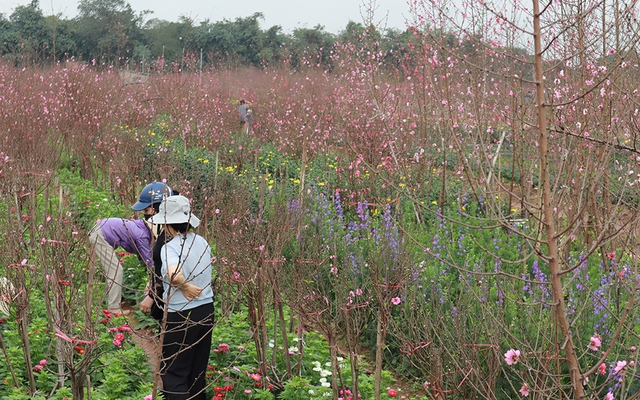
pixel 609 396
pixel 392 393
pixel 43 362
pixel 595 342
pixel 620 366
pixel 255 377
pixel 396 301
pixel 511 357
pixel 602 369
pixel 148 397
pixel 524 390
pixel 38 368
pixel 358 292
pixel 223 347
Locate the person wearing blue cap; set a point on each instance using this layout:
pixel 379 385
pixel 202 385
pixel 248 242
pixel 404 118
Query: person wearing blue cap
pixel 134 236
pixel 149 203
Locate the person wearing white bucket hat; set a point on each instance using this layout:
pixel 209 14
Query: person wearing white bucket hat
pixel 188 295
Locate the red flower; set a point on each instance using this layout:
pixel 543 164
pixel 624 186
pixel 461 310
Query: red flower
pixel 392 393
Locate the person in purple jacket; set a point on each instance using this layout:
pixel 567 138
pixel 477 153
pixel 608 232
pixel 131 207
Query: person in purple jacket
pixel 109 234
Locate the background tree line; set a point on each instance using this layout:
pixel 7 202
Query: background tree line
pixel 111 33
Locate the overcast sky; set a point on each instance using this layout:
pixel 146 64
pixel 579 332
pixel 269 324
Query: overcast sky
pixel 290 14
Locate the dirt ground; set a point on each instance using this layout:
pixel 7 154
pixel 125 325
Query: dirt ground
pixel 149 340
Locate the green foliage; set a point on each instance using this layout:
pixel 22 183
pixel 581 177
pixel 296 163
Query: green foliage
pixel 134 278
pixel 87 203
pixel 107 29
pixel 297 388
pixel 28 38
pixel 119 378
pixel 119 372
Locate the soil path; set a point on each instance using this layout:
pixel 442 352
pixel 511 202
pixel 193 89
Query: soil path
pixel 149 340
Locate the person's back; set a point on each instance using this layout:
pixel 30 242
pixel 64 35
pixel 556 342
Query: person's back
pixel 242 111
pixel 132 235
pixel 108 235
pixel 188 325
pixel 193 254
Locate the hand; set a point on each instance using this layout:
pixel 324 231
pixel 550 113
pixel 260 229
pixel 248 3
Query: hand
pixel 190 291
pixel 146 304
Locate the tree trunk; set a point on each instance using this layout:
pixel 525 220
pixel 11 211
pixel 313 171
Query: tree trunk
pixel 555 268
pixel 380 340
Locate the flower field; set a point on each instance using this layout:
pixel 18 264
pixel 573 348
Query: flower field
pixel 408 231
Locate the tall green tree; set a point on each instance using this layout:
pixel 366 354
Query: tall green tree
pixel 28 39
pixel 5 37
pixel 63 43
pixel 312 47
pixel 163 41
pixel 232 43
pixel 107 31
pixel 273 52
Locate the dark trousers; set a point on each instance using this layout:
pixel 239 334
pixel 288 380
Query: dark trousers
pixel 185 353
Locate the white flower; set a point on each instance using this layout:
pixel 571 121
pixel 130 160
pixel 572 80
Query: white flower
pixel 324 372
pixel 317 366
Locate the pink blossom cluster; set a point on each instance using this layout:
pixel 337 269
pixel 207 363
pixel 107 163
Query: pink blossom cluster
pixel 40 366
pixel 222 348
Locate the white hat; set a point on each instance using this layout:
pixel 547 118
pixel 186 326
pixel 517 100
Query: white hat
pixel 175 210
